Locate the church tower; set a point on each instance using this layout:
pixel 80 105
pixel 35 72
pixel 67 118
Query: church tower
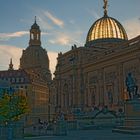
pixel 34 57
pixel 35 35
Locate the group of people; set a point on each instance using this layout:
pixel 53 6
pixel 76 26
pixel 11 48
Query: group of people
pixel 41 125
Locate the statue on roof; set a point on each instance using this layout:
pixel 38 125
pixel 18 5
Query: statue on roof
pixel 105 6
pixel 74 46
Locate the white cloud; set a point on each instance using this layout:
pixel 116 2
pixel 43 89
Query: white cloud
pixel 53 60
pixel 67 38
pixel 54 19
pixel 7 36
pixel 43 23
pixel 132 27
pixel 61 40
pixel 44 17
pixel 7 52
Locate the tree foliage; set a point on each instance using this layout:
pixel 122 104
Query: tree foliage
pixel 12 107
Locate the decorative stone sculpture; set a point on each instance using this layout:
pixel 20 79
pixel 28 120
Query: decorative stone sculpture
pixel 132 88
pixel 110 97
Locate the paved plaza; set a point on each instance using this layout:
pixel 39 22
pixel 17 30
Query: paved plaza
pixel 89 135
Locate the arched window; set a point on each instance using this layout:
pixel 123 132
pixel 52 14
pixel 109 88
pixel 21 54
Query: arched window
pixel 32 36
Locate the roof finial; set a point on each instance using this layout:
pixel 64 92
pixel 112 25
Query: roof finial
pixel 35 19
pixel 11 65
pixel 105 7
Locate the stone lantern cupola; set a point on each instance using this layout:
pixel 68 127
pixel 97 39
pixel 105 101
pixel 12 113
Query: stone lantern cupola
pixel 35 35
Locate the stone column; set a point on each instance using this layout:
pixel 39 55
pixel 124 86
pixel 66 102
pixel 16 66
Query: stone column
pixel 121 83
pixel 101 87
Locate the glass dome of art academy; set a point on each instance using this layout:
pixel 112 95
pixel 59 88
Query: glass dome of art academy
pixel 106 29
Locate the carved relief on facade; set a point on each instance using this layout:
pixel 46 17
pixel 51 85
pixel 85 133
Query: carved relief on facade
pixel 93 89
pixel 109 94
pixel 111 81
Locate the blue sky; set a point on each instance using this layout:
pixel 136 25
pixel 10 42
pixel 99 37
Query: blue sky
pixel 62 22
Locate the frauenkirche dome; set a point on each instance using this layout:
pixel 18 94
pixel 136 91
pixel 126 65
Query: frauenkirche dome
pixel 106 28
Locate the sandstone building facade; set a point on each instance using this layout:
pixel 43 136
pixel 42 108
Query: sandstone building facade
pixel 94 75
pixel 33 87
pixel 34 57
pixel 33 78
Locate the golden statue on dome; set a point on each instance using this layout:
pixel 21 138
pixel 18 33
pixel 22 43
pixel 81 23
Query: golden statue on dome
pixel 105 6
pixel 106 28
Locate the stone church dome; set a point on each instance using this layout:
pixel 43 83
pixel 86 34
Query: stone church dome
pixel 35 26
pixel 35 57
pixel 106 28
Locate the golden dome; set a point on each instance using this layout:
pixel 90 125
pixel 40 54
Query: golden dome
pixel 106 28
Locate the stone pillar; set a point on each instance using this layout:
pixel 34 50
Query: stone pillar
pixel 101 87
pixel 121 83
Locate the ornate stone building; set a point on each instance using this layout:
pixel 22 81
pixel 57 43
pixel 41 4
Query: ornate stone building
pixel 33 77
pixel 94 75
pixel 35 62
pixel 31 85
pixel 35 57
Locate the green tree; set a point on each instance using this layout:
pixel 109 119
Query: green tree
pixel 12 107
